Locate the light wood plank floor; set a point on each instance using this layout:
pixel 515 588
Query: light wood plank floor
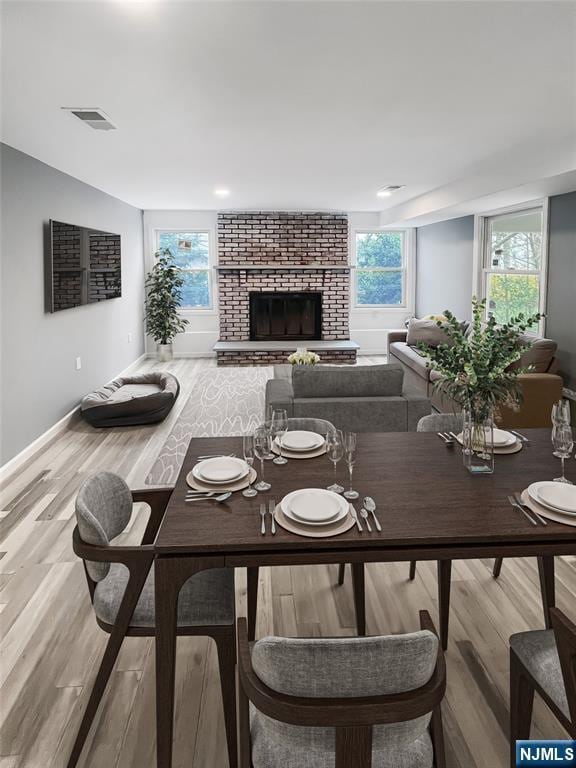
pixel 50 646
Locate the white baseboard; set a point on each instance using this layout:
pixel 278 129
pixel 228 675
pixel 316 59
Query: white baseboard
pixel 16 462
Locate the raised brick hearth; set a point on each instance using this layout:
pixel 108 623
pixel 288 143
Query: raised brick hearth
pixel 262 251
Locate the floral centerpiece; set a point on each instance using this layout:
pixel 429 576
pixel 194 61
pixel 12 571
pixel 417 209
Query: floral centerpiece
pixel 478 370
pixel 303 357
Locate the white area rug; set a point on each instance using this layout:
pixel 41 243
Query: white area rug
pixel 225 401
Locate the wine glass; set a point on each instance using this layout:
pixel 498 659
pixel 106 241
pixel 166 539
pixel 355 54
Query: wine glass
pixel 350 453
pixel 561 413
pixel 563 443
pixel 267 424
pixel 261 444
pixel 335 451
pixel 248 450
pixel 279 429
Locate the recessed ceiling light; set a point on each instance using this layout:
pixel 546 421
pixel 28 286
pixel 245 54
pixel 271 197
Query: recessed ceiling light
pixel 221 192
pixel 387 191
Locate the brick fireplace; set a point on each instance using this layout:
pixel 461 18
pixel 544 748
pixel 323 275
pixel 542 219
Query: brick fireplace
pixel 305 254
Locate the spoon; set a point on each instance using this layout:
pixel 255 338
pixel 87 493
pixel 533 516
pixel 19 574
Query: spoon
pixel 370 505
pixel 221 497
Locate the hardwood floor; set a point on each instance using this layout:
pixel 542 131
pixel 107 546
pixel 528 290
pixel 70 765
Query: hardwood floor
pixel 51 646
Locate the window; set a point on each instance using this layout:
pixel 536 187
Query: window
pixel 380 269
pixel 513 263
pixel 191 252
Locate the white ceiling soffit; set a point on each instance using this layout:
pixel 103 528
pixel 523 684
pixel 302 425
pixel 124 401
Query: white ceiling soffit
pixel 301 105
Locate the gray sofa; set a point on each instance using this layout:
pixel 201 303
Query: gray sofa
pixel 364 398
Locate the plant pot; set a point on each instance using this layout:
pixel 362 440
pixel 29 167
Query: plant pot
pixel 477 439
pixel 164 353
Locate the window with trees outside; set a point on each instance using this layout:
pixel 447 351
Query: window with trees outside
pixel 380 269
pixel 514 263
pixel 191 253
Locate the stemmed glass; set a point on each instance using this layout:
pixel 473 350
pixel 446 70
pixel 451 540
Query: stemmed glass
pixel 563 443
pixel 335 451
pixel 279 429
pixel 561 413
pixel 261 451
pixel 248 449
pixel 350 453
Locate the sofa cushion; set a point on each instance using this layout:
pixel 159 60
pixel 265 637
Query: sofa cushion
pixel 539 356
pixel 410 357
pixel 347 381
pixel 426 332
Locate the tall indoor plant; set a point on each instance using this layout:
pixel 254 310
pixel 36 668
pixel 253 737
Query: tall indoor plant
pixel 163 298
pixel 477 370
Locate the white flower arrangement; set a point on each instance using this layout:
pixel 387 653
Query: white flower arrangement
pixel 303 357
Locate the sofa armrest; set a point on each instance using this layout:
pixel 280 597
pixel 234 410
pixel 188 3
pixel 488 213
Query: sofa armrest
pixel 397 336
pixel 417 406
pixel 539 392
pixel 279 394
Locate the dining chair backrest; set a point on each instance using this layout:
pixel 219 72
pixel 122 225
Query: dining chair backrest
pixel 321 426
pixel 440 422
pixel 103 510
pixel 350 667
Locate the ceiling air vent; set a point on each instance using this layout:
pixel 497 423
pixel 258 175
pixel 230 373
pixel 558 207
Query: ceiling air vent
pixel 95 118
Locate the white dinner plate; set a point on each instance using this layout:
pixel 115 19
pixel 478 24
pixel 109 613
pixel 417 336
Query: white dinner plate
pixel 221 469
pixel 558 496
pixel 301 440
pixel 314 506
pixel 500 438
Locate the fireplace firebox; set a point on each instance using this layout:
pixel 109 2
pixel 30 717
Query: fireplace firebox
pixel 288 316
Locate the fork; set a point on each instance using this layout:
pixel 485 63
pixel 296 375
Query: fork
pixel 263 516
pixel 446 437
pixel 364 516
pixel 515 504
pixel 216 456
pixel 271 508
pixel 521 503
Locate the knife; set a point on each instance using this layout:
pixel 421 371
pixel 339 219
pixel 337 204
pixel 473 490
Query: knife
pixel 355 518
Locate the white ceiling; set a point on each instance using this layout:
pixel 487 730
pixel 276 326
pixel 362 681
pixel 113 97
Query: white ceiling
pixel 295 104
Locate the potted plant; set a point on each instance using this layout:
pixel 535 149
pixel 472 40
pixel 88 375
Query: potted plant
pixel 163 298
pixel 477 370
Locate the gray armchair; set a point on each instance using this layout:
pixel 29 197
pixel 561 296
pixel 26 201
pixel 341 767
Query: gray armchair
pixel 364 398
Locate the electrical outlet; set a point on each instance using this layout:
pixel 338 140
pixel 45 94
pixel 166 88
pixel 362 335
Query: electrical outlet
pixel 129 338
pixel 78 363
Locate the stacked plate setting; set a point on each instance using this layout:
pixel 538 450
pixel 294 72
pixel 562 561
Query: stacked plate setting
pixel 220 473
pixel 314 512
pixel 557 501
pixel 300 444
pixel 502 441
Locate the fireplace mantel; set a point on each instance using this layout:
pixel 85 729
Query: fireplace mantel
pixel 239 267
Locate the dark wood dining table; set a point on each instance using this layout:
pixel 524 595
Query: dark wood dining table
pixel 430 508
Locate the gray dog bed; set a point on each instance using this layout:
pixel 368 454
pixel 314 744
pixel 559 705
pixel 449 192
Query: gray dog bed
pixel 142 399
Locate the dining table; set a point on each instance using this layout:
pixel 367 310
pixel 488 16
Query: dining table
pixel 429 505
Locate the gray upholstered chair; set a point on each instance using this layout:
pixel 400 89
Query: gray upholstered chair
pixel 326 702
pixel 440 422
pixel 310 424
pixel 543 661
pixel 121 585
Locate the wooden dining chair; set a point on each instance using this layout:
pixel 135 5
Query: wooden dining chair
pixel 342 702
pixel 121 585
pixel 322 427
pixel 543 661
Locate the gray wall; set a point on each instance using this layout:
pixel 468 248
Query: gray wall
pixel 39 383
pixel 561 304
pixel 444 254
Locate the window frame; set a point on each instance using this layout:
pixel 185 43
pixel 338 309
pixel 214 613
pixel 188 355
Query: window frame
pixel 407 269
pixel 210 309
pixel 483 269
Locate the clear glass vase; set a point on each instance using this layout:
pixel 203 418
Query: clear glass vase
pixel 478 440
